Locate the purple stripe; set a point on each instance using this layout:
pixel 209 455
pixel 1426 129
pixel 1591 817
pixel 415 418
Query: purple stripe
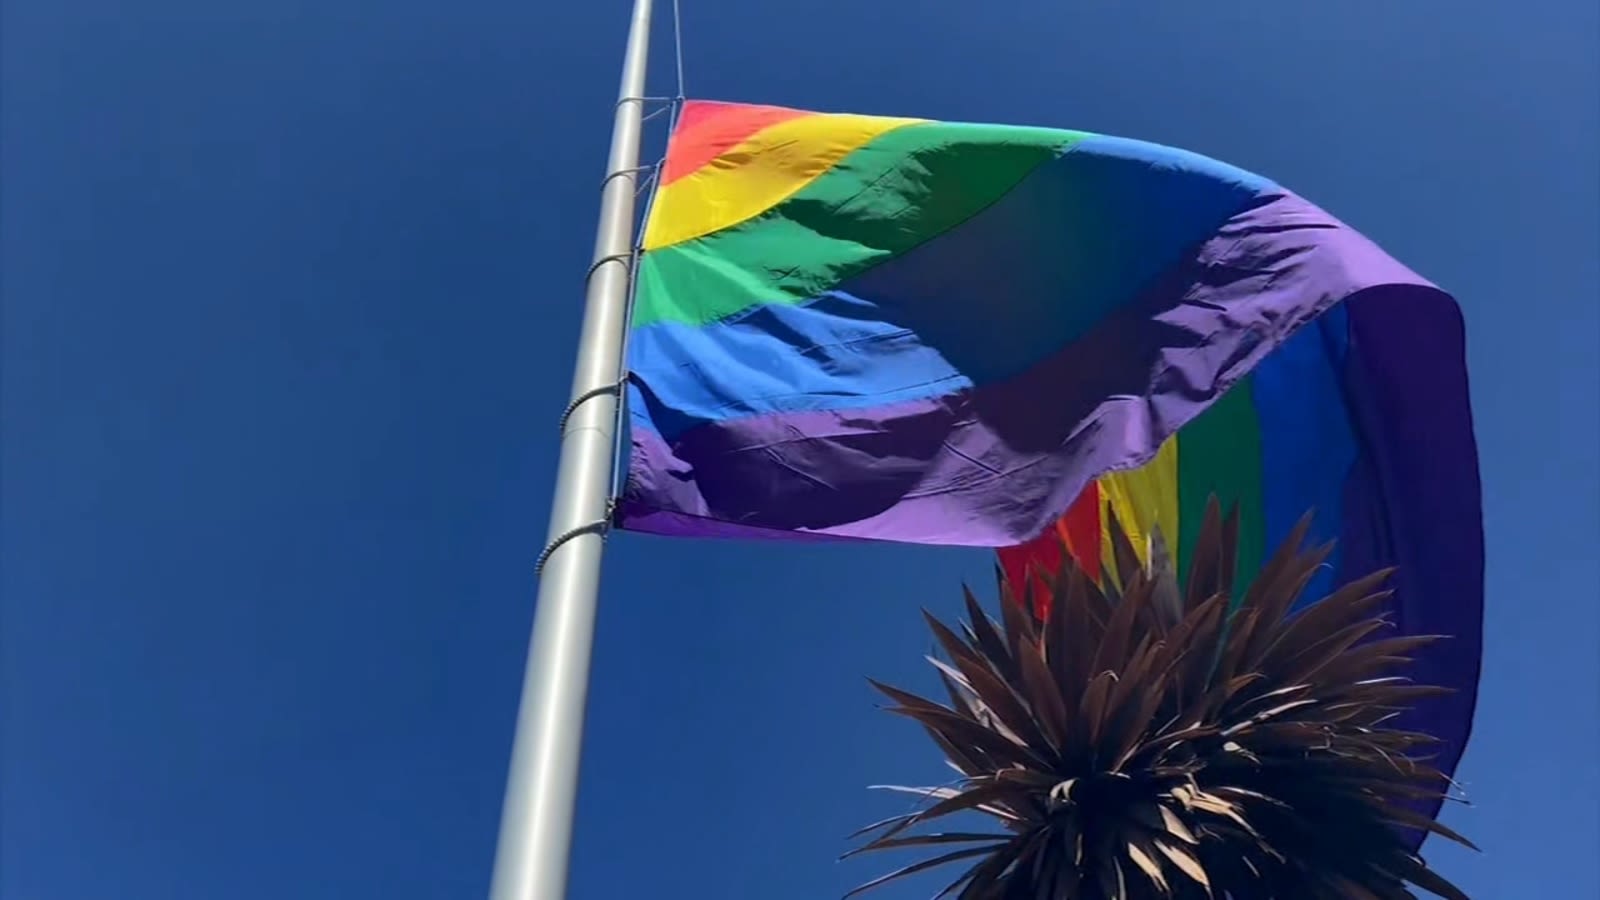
pixel 1416 500
pixel 995 465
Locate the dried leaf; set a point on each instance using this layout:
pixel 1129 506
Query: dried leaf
pixel 1185 862
pixel 1142 852
pixel 924 865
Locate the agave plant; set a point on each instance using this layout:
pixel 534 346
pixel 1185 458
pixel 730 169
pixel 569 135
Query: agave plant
pixel 1150 738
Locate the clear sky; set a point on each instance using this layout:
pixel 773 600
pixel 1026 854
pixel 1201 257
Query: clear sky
pixel 290 291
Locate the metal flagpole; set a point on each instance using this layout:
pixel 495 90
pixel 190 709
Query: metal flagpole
pixel 532 858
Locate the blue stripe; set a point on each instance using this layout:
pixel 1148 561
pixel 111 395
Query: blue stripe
pixel 1307 445
pixel 1076 240
pixel 837 352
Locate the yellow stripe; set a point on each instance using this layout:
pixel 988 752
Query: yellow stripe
pixel 757 174
pixel 1142 498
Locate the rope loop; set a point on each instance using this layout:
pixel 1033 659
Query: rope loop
pixel 601 527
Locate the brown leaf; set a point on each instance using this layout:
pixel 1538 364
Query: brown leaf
pixel 1185 862
pixel 1043 696
pixel 1117 640
pixel 1093 713
pixel 1018 621
pixel 1282 557
pixel 914 868
pixel 1134 701
pixel 960 731
pixel 919 840
pixel 1205 557
pixel 1411 819
pixel 988 638
pixel 1275 598
pixel 1175 826
pixel 1164 597
pixel 997 696
pixel 982 877
pixel 1142 851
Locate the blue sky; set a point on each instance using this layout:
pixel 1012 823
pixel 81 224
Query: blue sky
pixel 289 295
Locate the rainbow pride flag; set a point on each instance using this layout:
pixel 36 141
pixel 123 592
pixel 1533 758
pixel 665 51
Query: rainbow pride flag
pixel 988 335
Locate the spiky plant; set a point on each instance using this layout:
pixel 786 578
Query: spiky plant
pixel 1140 741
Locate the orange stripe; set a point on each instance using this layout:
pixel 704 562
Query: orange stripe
pixel 706 129
pixel 757 173
pixel 1079 529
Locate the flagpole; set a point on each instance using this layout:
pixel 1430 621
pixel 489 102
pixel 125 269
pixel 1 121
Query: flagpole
pixel 532 858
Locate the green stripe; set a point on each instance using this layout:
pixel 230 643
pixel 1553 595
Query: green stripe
pixel 1220 452
pixel 900 190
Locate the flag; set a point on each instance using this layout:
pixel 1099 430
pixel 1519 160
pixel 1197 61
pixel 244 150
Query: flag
pixel 862 327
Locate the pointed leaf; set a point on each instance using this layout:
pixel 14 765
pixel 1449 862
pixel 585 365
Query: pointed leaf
pixel 1185 862
pixel 922 866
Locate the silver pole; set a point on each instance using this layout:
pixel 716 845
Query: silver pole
pixel 532 858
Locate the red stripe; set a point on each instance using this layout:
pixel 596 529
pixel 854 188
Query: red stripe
pixel 707 129
pixel 1079 528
